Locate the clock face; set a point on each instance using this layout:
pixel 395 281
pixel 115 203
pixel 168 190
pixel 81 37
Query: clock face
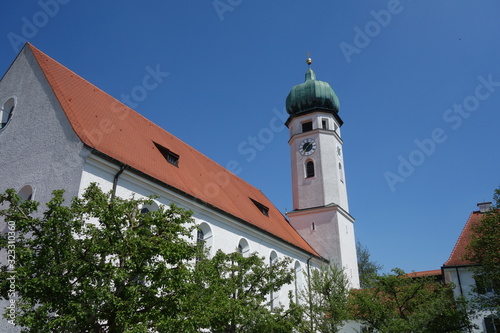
pixel 307 147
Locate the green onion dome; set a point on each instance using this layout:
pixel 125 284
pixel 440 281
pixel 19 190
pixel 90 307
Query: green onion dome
pixel 310 95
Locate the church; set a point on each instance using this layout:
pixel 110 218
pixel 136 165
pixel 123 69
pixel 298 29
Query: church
pixel 59 131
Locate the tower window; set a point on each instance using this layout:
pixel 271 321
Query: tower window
pixel 307 126
pixel 309 169
pixel 324 123
pixel 341 173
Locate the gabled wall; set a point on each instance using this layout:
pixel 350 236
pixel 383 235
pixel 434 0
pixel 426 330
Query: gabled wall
pixel 38 149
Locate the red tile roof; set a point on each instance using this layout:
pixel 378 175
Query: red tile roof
pixel 112 128
pixel 434 272
pixel 460 249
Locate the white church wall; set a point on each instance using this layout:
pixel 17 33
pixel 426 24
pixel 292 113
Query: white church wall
pixel 225 231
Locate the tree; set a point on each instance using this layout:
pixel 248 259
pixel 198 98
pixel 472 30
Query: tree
pixel 232 294
pixel 325 300
pixel 368 270
pixel 102 264
pixel 98 265
pixel 399 303
pixel 484 252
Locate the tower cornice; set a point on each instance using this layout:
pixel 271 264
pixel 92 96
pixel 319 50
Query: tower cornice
pixel 317 130
pixel 313 110
pixel 329 207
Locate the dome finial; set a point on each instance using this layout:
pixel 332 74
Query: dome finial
pixel 311 95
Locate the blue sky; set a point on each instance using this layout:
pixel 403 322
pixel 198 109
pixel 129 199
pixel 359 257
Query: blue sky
pixel 418 83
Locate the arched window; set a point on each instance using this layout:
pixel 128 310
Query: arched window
pixel 26 193
pixel 309 169
pixel 203 239
pixel 492 324
pixel 243 247
pixel 273 296
pixel 272 258
pixel 200 243
pixel 152 207
pixel 6 112
pixel 297 271
pixel 146 208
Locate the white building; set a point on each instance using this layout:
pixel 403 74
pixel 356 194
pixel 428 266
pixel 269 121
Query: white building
pixel 59 131
pixel 457 270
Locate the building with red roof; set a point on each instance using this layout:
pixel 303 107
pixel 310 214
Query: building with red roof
pixel 457 269
pixel 59 131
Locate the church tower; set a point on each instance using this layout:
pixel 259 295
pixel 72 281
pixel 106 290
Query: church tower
pixel 320 207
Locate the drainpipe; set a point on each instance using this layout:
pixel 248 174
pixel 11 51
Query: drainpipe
pixel 115 179
pixel 310 292
pixel 459 282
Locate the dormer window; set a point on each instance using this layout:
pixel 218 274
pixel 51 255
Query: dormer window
pixel 170 156
pixel 307 126
pixel 173 158
pixel 263 209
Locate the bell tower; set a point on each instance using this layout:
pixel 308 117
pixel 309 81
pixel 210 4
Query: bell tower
pixel 320 206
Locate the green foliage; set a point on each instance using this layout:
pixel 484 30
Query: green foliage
pixel 97 265
pixel 325 300
pixel 368 270
pixel 398 303
pixel 484 250
pixel 100 265
pixel 232 294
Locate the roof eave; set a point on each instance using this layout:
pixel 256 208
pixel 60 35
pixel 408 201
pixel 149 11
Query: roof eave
pixel 201 202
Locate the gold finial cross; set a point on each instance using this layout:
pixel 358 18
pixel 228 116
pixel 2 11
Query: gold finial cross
pixel 309 60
